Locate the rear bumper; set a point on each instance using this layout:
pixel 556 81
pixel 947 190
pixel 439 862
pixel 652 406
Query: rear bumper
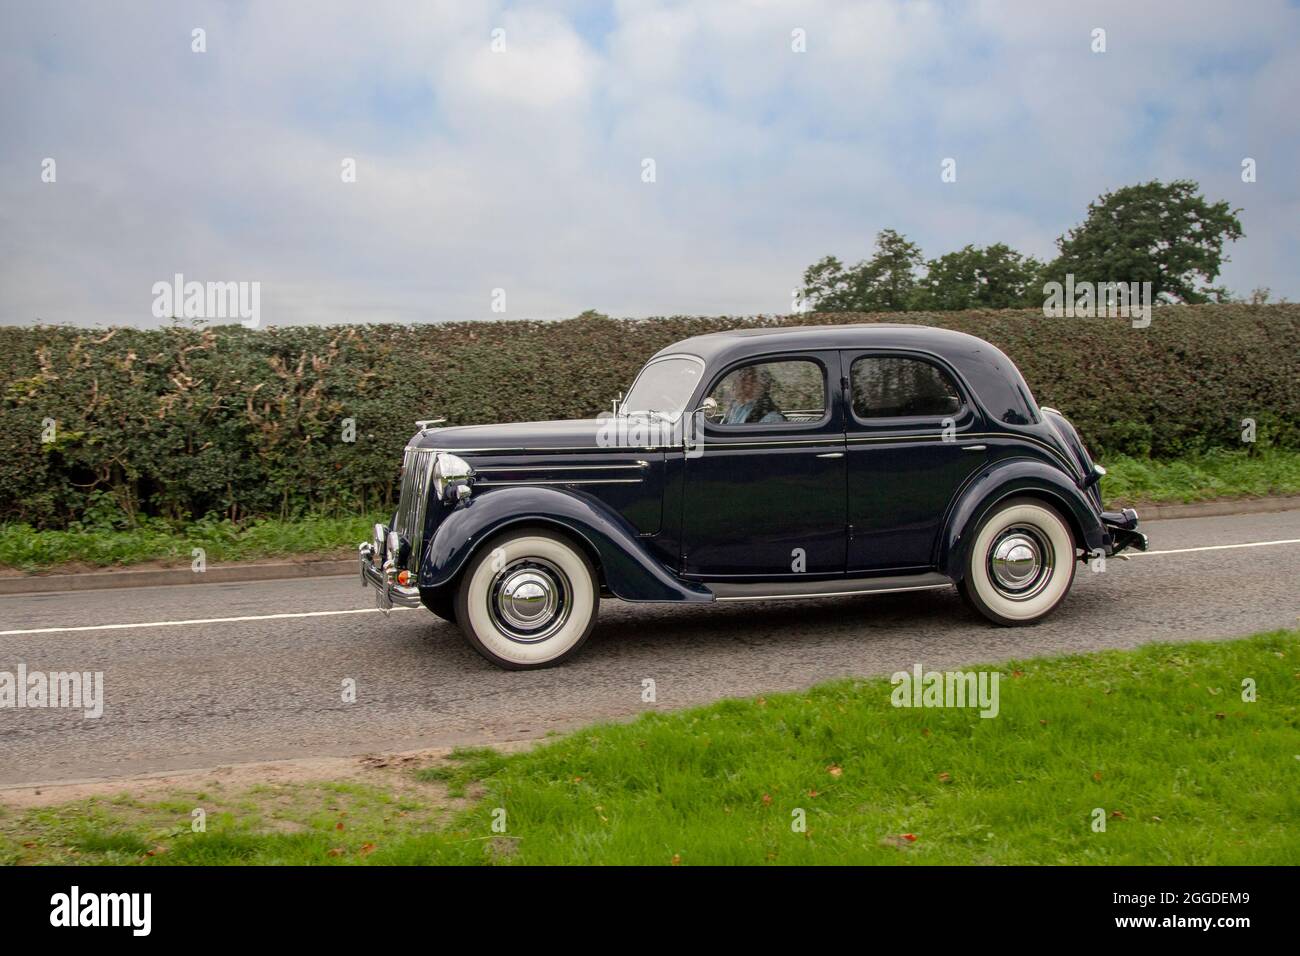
pixel 1121 531
pixel 380 574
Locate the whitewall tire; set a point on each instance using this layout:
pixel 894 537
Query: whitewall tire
pixel 1020 564
pixel 528 600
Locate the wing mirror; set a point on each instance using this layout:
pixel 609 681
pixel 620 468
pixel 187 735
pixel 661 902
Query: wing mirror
pixel 710 409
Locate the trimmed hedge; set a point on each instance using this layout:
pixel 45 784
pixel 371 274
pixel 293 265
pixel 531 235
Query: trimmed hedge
pixel 183 422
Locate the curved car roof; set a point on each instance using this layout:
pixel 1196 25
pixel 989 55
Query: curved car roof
pixel 994 377
pixel 741 343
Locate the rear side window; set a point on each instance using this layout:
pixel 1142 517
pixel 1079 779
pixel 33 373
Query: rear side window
pixel 887 386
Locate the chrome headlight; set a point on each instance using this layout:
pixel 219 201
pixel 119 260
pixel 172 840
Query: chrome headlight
pixel 450 475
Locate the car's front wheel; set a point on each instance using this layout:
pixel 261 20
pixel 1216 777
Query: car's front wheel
pixel 1021 563
pixel 527 600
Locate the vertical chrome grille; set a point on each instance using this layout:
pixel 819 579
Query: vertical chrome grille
pixel 417 476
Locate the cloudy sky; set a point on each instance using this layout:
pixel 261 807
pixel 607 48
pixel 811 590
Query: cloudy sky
pixel 522 169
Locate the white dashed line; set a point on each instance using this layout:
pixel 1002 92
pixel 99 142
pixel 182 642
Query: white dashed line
pixel 197 620
pixel 375 610
pixel 1218 547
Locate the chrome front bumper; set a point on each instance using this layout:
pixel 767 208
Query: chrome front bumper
pixel 380 574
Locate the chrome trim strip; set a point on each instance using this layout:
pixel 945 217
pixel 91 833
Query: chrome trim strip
pixel 487 468
pixel 882 439
pixel 525 450
pixel 562 481
pixel 830 439
pixel 822 594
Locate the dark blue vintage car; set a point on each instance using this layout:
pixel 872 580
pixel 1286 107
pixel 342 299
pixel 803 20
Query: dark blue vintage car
pixel 752 465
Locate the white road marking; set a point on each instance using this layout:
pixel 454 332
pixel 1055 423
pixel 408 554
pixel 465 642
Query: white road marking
pixel 375 610
pixel 1218 547
pixel 198 620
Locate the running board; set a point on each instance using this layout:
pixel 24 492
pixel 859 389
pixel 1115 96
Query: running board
pixel 786 590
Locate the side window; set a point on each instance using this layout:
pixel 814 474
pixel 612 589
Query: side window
pixel 793 390
pixel 891 387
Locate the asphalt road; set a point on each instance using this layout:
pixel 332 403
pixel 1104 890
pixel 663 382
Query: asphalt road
pixel 200 695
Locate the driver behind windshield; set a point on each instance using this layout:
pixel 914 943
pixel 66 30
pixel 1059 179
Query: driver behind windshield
pixel 751 399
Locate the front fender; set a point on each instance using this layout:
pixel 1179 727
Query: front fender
pixel 630 571
pixel 1005 479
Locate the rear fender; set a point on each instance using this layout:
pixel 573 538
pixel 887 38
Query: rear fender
pixel 630 571
pixel 1010 478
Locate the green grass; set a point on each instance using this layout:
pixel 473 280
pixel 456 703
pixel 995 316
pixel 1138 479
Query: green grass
pixel 155 539
pixel 268 824
pixel 103 543
pixel 1214 474
pixel 468 766
pixel 1184 771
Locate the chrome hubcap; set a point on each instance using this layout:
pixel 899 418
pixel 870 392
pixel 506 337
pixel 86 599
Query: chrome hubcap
pixel 1020 563
pixel 529 600
pixel 526 598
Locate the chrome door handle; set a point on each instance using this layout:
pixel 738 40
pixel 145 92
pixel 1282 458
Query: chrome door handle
pixel 832 454
pixel 974 447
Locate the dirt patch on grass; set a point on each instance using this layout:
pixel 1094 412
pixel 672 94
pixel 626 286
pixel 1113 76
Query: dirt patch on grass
pixel 355 806
pixel 392 772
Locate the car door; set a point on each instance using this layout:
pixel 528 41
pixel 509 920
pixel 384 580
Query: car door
pixel 766 494
pixel 913 439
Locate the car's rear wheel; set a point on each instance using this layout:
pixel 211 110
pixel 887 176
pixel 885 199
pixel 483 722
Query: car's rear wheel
pixel 1020 564
pixel 528 600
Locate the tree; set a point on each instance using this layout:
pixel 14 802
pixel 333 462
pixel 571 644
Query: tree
pixel 828 287
pixel 1168 235
pixel 995 277
pixel 891 273
pixel 887 282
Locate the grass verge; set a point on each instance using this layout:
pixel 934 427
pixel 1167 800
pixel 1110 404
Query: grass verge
pixel 1214 474
pixel 24 548
pixel 1158 742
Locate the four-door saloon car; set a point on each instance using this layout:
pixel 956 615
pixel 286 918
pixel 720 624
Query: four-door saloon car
pixel 752 465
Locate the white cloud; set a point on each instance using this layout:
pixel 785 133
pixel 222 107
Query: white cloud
pixel 521 170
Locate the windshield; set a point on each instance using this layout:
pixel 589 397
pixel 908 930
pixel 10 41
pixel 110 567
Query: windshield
pixel 664 386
